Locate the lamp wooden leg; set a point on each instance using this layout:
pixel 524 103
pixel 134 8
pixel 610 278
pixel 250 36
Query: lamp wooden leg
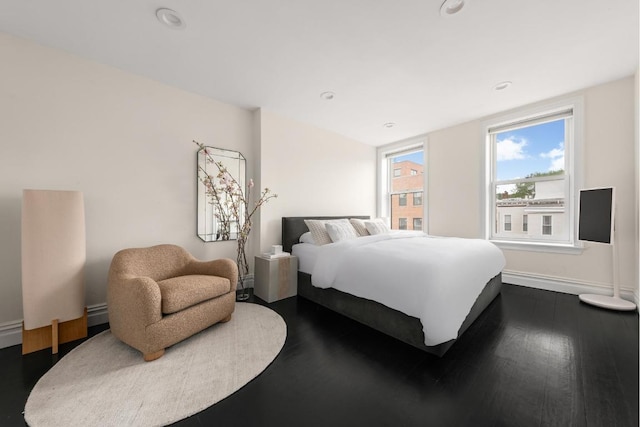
pixel 54 336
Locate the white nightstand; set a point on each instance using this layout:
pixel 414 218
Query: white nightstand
pixel 276 278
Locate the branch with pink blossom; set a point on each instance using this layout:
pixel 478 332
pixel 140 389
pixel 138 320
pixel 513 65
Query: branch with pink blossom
pixel 233 204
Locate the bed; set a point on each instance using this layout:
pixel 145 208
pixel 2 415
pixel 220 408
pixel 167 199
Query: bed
pixel 376 315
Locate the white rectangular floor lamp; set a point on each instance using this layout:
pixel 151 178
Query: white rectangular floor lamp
pixel 53 259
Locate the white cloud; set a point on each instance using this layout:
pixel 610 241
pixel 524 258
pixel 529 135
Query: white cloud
pixel 557 157
pixel 510 149
pixel 557 164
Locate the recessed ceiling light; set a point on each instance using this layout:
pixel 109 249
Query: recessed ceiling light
pixel 327 96
pixel 170 18
pixel 451 7
pixel 502 85
pixel 389 125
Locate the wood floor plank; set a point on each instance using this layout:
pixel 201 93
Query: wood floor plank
pixel 563 400
pixel 606 359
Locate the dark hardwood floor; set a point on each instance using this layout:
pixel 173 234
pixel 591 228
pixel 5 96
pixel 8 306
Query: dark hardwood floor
pixel 533 358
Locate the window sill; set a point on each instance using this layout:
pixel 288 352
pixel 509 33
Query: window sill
pixel 558 248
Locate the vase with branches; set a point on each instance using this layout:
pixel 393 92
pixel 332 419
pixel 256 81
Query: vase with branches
pixel 234 205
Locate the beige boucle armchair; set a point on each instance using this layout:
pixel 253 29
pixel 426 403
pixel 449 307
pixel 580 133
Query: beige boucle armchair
pixel 160 295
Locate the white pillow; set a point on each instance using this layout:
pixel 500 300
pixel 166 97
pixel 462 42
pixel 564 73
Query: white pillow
pixel 318 231
pixel 358 224
pixel 377 226
pixel 307 238
pixel 341 231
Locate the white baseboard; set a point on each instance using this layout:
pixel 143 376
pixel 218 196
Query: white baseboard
pixel 97 314
pixel 567 286
pixel 11 332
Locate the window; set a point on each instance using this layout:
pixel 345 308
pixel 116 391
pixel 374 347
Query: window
pixel 546 225
pixel 402 223
pixel 400 177
pixel 532 174
pixel 417 223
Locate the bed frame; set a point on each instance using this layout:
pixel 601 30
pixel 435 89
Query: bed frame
pixel 373 314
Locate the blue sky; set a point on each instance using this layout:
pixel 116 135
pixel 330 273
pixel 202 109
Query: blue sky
pixel 417 157
pixel 538 148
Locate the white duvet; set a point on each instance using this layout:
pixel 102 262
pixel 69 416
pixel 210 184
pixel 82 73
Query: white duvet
pixel 436 279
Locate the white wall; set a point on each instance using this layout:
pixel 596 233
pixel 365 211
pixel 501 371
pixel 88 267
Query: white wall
pixel 123 140
pixel 455 179
pixel 313 171
pixel 455 159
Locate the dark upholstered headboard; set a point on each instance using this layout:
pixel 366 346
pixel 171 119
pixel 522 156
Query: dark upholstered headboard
pixel 293 227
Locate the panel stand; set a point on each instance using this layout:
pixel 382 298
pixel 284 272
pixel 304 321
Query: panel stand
pixel 611 302
pixel 54 334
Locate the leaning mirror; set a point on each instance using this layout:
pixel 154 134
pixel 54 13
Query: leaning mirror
pixel 221 175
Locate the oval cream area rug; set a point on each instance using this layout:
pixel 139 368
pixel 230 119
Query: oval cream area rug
pixel 104 382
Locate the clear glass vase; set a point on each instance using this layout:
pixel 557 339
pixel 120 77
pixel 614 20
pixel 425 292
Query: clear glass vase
pixel 243 270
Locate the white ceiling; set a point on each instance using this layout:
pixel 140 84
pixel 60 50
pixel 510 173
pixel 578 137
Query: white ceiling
pixel 386 60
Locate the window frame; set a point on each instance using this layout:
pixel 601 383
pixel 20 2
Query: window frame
pixel 573 175
pixel 384 174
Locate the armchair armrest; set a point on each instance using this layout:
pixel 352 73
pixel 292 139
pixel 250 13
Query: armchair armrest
pixel 223 267
pixel 133 302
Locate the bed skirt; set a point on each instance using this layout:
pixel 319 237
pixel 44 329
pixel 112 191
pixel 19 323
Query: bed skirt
pixel 388 321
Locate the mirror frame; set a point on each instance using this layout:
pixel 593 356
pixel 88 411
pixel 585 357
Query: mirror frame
pixel 209 213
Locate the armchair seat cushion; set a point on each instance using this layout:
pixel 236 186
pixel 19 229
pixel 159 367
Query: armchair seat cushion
pixel 179 293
